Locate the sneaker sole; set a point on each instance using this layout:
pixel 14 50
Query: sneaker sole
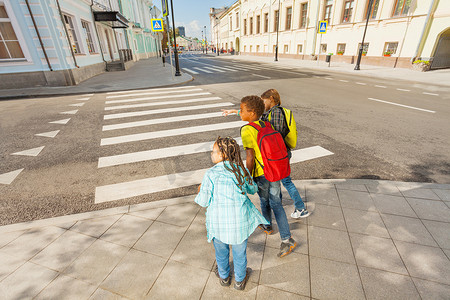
pixel 266 231
pixel 291 248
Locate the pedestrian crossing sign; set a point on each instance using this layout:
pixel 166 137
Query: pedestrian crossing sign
pixel 323 27
pixel 157 25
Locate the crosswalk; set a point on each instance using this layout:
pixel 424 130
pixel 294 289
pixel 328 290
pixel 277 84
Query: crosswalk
pixel 164 114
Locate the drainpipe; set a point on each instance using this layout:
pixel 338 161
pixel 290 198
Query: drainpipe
pixel 67 34
pixel 96 31
pixel 124 29
pixel 425 29
pixel 39 36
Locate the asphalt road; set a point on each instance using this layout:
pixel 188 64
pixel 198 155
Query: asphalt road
pixel 124 148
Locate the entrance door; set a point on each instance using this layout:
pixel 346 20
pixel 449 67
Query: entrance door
pixel 237 45
pixel 441 57
pixel 109 44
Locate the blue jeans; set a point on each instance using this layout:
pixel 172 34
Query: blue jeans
pixel 293 192
pixel 269 195
pixel 239 259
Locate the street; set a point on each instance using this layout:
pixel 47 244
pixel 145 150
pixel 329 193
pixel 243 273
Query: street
pixel 70 154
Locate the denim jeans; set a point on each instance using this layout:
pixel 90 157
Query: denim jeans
pixel 293 192
pixel 239 259
pixel 269 195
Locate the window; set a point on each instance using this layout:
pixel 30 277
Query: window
pixel 288 18
pixel 88 35
pixel 266 22
pixel 327 11
pixel 373 9
pixel 258 24
pixel 231 23
pixel 299 49
pixel 245 27
pixel 303 13
pixel 323 48
pixel 286 49
pixel 251 48
pixel 277 14
pixel 237 20
pixel 365 48
pixel 72 34
pixel 251 26
pixel 348 9
pixel 401 7
pixel 390 48
pixel 257 48
pixel 9 44
pixel 245 48
pixel 340 49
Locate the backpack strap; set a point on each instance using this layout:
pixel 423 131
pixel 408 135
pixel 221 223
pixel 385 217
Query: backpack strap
pixel 258 128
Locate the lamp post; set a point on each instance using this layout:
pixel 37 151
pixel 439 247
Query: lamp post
pixel 177 65
pixel 206 41
pixel 278 27
pixel 203 48
pixel 358 61
pixel 217 35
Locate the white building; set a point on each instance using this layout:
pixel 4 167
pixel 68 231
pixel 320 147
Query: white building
pixel 398 31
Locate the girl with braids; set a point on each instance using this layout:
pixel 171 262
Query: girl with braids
pixel 230 216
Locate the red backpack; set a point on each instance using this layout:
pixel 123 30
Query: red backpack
pixel 273 151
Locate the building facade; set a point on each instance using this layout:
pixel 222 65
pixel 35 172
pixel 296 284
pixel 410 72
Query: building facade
pixel 398 31
pixel 62 42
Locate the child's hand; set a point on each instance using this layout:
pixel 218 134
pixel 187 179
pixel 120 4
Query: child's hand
pixel 226 112
pixel 198 189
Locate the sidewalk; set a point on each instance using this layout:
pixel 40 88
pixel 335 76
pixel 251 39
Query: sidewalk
pixel 434 78
pixel 147 73
pixel 365 239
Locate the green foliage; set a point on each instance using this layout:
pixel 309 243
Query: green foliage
pixel 419 61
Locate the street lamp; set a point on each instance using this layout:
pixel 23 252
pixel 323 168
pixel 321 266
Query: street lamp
pixel 358 61
pixel 278 26
pixel 203 48
pixel 206 41
pixel 177 65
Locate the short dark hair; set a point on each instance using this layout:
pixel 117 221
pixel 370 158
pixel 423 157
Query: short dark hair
pixel 274 94
pixel 255 104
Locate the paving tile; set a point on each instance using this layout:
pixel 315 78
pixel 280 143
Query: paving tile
pixel 96 262
pixel 385 285
pixel 408 230
pixel 95 227
pixel 127 230
pixel 32 242
pixel 101 294
pixel 298 233
pixel 447 252
pixel 440 231
pixel 63 251
pixel 9 264
pixel 322 194
pixel 432 290
pixel 378 253
pixel 214 290
pixel 290 274
pixel 160 239
pixel 419 193
pixel 386 188
pixel 134 275
pixel 255 254
pixel 257 237
pixel 351 187
pixel 67 225
pixel 394 205
pixel 26 282
pixel 444 195
pixel 425 262
pixel 365 222
pixel 330 244
pixel 179 215
pixel 327 216
pixel 268 293
pixel 8 237
pixel 151 214
pixel 67 288
pixel 179 281
pixel 334 280
pixel 430 210
pixel 356 200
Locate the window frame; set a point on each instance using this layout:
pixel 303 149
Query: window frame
pixel 266 22
pixel 327 9
pixel 276 16
pixel 323 48
pixel 347 13
pixel 402 13
pixel 288 22
pixel 251 25
pixel 258 24
pixel 89 37
pixel 299 48
pixel 386 48
pixel 339 48
pixel 72 31
pixel 372 16
pixel 303 14
pixel 19 36
pixel 245 26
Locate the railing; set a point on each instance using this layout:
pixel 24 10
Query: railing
pixel 125 55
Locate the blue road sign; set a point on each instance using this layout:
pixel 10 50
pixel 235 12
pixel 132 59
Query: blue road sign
pixel 157 25
pixel 165 8
pixel 323 27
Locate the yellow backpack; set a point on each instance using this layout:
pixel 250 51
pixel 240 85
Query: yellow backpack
pixel 291 138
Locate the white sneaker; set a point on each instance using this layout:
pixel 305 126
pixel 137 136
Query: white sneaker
pixel 300 213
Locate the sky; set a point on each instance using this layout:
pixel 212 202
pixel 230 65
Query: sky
pixel 194 14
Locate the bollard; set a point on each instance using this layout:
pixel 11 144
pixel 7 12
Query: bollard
pixel 164 60
pixel 328 59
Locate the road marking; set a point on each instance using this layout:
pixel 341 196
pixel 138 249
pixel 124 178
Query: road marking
pixel 203 70
pixel 147 155
pixel 431 94
pixel 30 152
pixel 215 69
pixel 403 90
pixel 162 103
pixel 170 132
pixel 77 104
pixel 261 76
pixel 8 178
pixel 226 69
pixel 70 112
pixel 153 93
pixel 151 185
pixel 50 134
pixel 64 121
pixel 342 80
pixel 361 83
pixel 162 121
pixel 381 86
pixel 421 109
pixel 82 99
pixel 155 98
pixel 327 78
pixel 87 95
pixel 190 71
pixel 150 90
pixel 164 110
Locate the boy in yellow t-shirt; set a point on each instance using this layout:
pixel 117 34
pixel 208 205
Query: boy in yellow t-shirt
pixel 252 107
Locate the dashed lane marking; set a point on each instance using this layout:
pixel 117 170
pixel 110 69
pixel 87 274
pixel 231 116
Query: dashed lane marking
pixel 8 178
pixel 406 106
pixel 403 90
pixel 50 134
pixel 342 80
pixel 361 83
pixel 63 121
pixel 70 112
pixel 381 86
pixel 30 152
pixel 431 94
pixel 77 104
pixel 266 77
